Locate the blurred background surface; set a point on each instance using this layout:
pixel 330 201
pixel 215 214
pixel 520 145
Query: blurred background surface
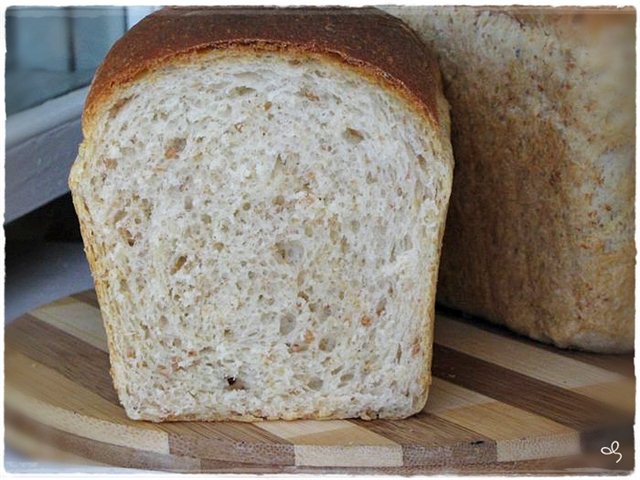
pixel 52 54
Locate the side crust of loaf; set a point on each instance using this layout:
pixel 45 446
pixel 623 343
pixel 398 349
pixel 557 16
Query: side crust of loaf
pixel 540 233
pixel 105 101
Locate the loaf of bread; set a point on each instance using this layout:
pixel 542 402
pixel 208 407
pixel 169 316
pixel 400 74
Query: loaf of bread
pixel 540 233
pixel 262 195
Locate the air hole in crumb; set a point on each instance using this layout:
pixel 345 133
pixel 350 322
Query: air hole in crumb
pixel 287 324
pixel 163 321
pixel 344 245
pixel 422 162
pixel 355 226
pixel 352 135
pixel 127 236
pixel 326 344
pixel 309 94
pixel 308 229
pixel 174 147
pixel 240 91
pixel 420 193
pixel 365 320
pixel 290 251
pixel 206 219
pixel 309 336
pixel 398 354
pixel 117 106
pixel 324 313
pixel 370 178
pixel 267 106
pixel 235 383
pixel 179 264
pixel 407 243
pixel 177 343
pixel 118 216
pixel 110 163
pixel 381 306
pixel 315 383
pixel 246 206
pixel 219 246
pixel 278 200
pixel 304 296
pixel 277 166
pixel 297 348
pixel 341 295
pixel 347 377
pixel 188 203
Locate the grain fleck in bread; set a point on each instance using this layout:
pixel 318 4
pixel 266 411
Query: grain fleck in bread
pixel 540 233
pixel 262 196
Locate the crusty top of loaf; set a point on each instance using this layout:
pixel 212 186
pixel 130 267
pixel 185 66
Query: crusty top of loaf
pixel 367 38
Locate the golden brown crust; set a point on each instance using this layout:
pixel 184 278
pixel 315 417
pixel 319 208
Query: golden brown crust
pixel 365 38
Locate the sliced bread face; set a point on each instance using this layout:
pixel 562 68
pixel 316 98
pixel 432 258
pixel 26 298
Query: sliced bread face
pixel 264 231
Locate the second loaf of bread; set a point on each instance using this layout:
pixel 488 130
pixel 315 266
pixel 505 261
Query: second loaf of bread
pixel 540 233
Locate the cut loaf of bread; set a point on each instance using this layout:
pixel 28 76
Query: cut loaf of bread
pixel 540 233
pixel 262 195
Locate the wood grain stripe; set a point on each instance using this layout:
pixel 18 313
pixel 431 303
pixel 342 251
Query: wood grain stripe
pixel 102 452
pixel 348 456
pixel 445 396
pixel 621 364
pixel 88 296
pixel 228 441
pixel 619 395
pixel 73 408
pixel 31 447
pixel 79 319
pixel 510 387
pixel 429 440
pixel 508 426
pixel 63 353
pixel 337 443
pixel 523 358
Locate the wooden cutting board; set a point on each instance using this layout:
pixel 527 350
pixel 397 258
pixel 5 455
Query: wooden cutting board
pixel 499 403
